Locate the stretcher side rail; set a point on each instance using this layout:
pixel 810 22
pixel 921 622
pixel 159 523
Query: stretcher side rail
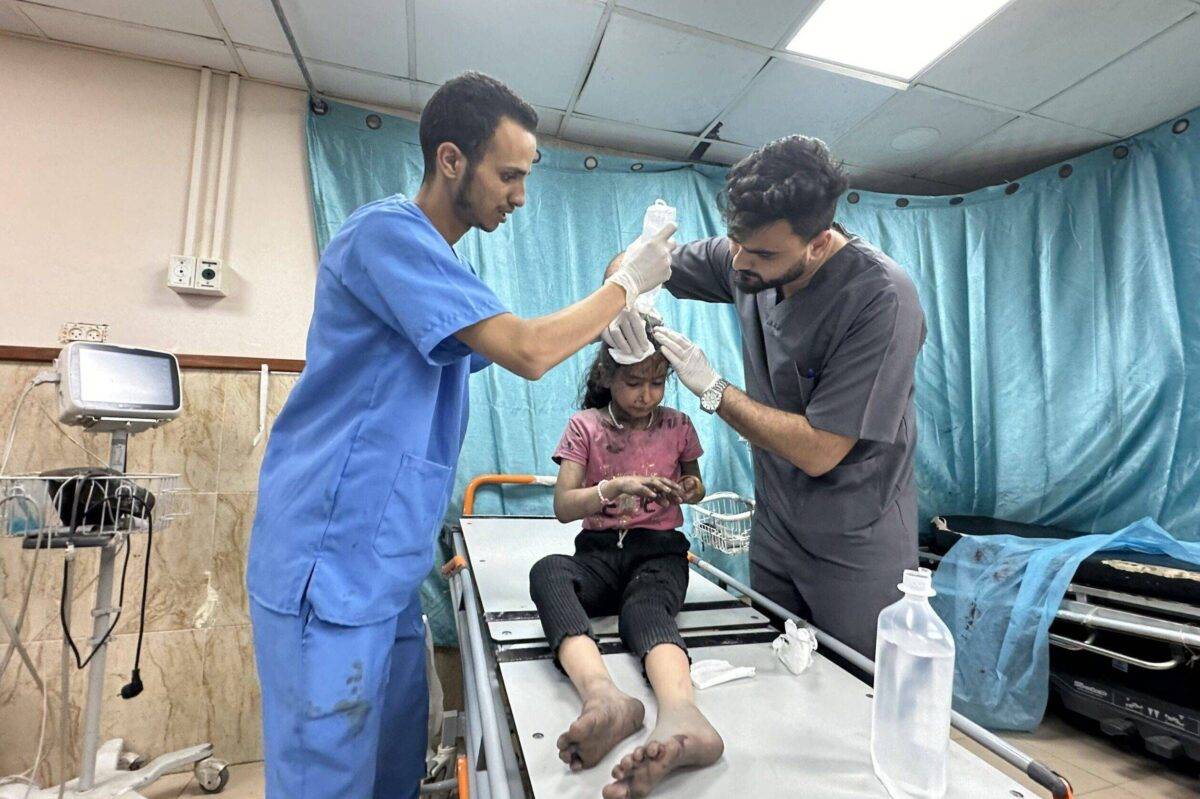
pixel 483 724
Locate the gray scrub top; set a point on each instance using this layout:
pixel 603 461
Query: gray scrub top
pixel 841 352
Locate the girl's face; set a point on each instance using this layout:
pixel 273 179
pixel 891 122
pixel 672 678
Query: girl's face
pixel 638 389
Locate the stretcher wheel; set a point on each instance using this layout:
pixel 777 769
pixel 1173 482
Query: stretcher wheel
pixel 212 775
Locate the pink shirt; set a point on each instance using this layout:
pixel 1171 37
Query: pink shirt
pixel 606 452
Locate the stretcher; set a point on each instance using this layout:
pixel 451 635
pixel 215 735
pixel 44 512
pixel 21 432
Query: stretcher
pixel 785 735
pixel 1125 644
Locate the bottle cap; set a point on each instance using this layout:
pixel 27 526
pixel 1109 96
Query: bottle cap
pixel 918 582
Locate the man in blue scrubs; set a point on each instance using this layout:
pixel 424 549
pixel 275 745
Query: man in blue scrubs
pixel 361 461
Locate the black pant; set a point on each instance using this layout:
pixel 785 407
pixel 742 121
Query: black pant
pixel 644 580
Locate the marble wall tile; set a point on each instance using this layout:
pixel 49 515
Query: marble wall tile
pixel 179 579
pixel 232 698
pixel 189 445
pixel 42 620
pixel 200 682
pixel 21 711
pixel 240 458
pixel 40 443
pixel 170 714
pixel 231 542
pixel 180 572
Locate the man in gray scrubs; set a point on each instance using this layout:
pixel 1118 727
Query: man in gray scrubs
pixel 831 327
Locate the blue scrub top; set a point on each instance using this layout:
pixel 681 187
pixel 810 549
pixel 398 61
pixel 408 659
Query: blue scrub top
pixel 360 463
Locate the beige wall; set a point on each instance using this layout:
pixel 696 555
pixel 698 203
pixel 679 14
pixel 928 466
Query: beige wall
pixel 96 153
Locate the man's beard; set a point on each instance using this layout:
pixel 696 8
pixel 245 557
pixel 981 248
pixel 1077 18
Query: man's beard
pixel 462 201
pixel 753 283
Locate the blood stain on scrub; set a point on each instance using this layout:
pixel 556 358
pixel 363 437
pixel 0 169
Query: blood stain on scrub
pixel 356 677
pixel 355 709
pixel 355 712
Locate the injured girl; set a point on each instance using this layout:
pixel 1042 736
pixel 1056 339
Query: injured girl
pixel 625 465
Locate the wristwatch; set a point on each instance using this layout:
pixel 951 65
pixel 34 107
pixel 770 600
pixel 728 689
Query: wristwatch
pixel 710 400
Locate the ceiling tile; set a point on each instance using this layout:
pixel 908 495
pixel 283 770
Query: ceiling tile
pixel 949 124
pixel 457 35
pixel 661 78
pixel 768 25
pixel 789 98
pixel 186 16
pixel 11 19
pixel 253 22
pixel 875 180
pixel 375 38
pixel 351 85
pixel 618 136
pixel 1033 49
pixel 1022 146
pixel 1154 83
pixel 548 121
pixel 180 48
pixel 276 67
pixel 725 152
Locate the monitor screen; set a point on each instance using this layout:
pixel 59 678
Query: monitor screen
pixel 124 377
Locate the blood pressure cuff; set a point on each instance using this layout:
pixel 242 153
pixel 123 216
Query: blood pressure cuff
pixel 88 497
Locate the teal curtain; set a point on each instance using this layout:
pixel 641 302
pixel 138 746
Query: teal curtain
pixel 1060 381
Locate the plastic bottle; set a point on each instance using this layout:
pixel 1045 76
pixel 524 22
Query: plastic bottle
pixel 658 215
pixel 914 681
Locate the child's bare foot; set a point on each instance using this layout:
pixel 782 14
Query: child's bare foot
pixel 604 721
pixel 682 737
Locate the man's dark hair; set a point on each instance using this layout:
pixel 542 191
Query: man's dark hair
pixel 793 178
pixel 465 111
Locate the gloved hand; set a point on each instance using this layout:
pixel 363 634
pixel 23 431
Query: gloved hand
pixel 647 264
pixel 626 337
pixel 688 360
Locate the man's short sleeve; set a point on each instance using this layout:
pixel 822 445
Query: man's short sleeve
pixel 702 270
pixel 863 389
pixel 401 268
pixel 575 443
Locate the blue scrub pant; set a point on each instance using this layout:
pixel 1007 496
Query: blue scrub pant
pixel 344 708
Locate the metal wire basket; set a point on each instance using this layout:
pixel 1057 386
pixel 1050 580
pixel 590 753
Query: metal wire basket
pixel 722 521
pixel 89 503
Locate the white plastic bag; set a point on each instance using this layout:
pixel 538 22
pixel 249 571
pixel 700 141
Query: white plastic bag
pixel 795 647
pixel 657 216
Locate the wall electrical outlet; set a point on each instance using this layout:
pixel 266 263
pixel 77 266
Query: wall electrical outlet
pixel 83 331
pixel 181 271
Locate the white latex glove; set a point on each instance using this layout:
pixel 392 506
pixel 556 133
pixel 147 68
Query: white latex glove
pixel 626 337
pixel 688 360
pixel 795 647
pixel 647 264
